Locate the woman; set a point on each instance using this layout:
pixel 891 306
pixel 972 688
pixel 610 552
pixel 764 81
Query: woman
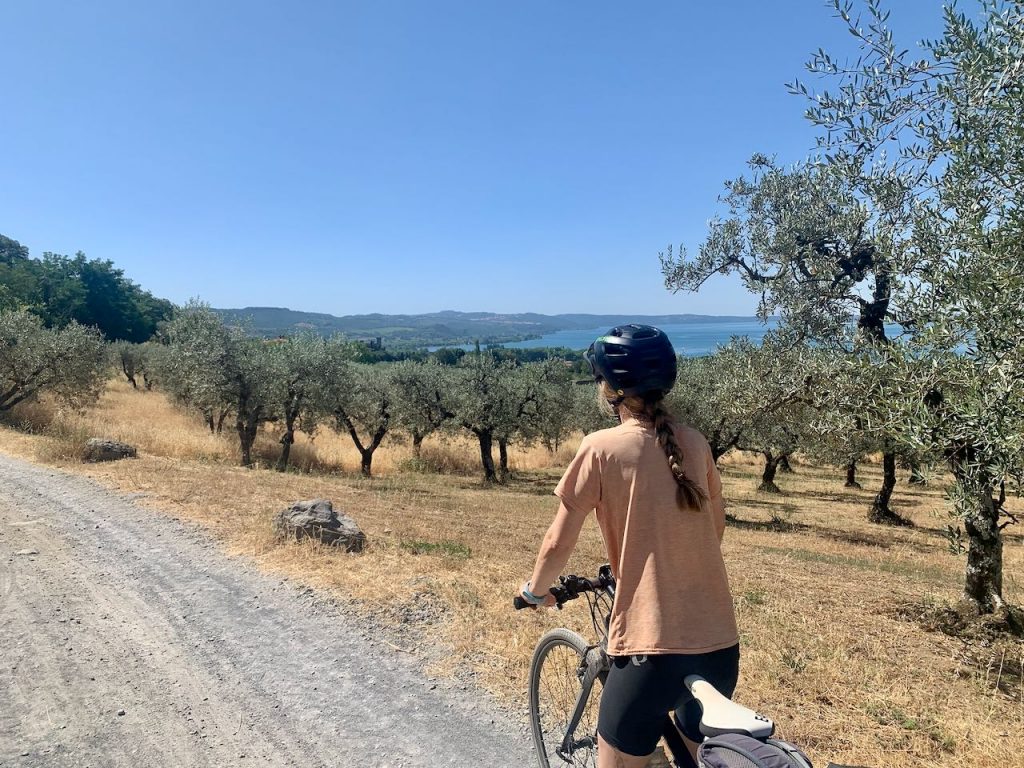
pixel 657 494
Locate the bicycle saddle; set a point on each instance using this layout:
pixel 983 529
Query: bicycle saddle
pixel 720 715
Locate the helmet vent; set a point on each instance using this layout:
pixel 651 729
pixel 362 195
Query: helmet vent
pixel 615 350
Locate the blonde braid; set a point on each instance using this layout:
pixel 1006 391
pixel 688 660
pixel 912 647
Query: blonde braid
pixel 651 408
pixel 689 494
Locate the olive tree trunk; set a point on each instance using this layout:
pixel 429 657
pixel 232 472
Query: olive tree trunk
pixel 983 583
pixel 880 511
pixel 771 466
pixel 503 472
pixel 851 475
pixel 247 426
pixel 486 439
pixel 129 374
pixel 287 439
pixel 365 451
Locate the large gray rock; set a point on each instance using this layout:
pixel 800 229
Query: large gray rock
pixel 316 519
pixel 99 449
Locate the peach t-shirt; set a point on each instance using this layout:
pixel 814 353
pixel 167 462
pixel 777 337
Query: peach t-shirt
pixel 672 593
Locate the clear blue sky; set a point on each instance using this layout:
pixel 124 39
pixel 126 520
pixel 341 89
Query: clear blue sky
pixel 400 156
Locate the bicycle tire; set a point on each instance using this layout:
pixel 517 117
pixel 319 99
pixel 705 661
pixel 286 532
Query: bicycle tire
pixel 556 681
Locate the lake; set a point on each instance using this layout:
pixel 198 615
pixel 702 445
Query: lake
pixel 692 339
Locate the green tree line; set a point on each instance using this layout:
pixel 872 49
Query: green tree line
pixel 91 292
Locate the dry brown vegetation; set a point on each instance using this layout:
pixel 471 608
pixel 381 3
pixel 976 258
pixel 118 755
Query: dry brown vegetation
pixel 842 621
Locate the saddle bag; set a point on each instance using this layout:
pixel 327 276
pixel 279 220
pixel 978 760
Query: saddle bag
pixel 734 750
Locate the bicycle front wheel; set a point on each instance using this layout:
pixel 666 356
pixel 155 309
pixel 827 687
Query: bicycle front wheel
pixel 564 700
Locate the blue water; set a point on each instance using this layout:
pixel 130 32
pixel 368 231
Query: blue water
pixel 699 337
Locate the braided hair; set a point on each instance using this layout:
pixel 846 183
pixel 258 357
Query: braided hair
pixel 650 407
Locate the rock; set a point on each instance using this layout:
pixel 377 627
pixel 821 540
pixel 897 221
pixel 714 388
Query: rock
pixel 316 519
pixel 99 449
pixel 27 552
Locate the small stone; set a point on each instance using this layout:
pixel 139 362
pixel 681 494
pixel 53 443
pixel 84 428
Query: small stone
pixel 120 713
pixel 27 552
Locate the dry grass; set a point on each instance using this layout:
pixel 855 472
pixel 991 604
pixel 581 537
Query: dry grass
pixel 823 597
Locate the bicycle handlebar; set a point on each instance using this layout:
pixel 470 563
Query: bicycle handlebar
pixel 571 587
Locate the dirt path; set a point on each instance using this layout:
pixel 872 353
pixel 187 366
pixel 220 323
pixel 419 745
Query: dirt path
pixel 128 639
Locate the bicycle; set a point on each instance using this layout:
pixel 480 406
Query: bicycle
pixel 565 669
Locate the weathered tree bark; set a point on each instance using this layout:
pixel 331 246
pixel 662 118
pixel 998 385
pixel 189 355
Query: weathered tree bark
pixel 784 465
pixel 147 380
pixel 486 440
pixel 503 472
pixel 417 444
pixel 291 415
pixel 851 475
pixel 287 440
pixel 983 584
pixel 247 426
pixel 880 511
pixel 216 423
pixel 771 466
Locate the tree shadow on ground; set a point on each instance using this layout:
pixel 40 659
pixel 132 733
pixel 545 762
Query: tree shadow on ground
pixel 883 539
pixel 776 525
pixel 991 643
pixel 537 483
pixel 851 496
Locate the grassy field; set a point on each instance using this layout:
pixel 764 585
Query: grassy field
pixel 845 642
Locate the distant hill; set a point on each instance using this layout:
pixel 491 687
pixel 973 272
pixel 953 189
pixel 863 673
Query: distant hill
pixel 436 328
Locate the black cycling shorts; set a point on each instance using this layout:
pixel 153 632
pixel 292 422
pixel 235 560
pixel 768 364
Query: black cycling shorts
pixel 639 694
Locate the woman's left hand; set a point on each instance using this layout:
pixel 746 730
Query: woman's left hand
pixel 549 599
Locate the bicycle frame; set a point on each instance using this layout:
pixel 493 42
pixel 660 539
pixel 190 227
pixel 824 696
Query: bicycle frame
pixel 595 666
pixel 719 714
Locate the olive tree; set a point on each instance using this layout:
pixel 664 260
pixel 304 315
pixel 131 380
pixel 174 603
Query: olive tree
pixel 361 398
pixel 303 362
pixel 480 389
pixel 68 363
pixel 423 398
pixel 152 354
pixel 217 369
pixel 767 392
pixel 775 436
pixel 586 411
pixel 555 418
pixel 704 395
pixel 527 396
pixel 130 358
pixel 942 129
pixel 825 252
pixel 727 394
pixel 193 368
pixel 841 439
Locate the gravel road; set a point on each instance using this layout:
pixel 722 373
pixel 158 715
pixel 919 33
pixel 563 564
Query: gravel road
pixel 128 639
